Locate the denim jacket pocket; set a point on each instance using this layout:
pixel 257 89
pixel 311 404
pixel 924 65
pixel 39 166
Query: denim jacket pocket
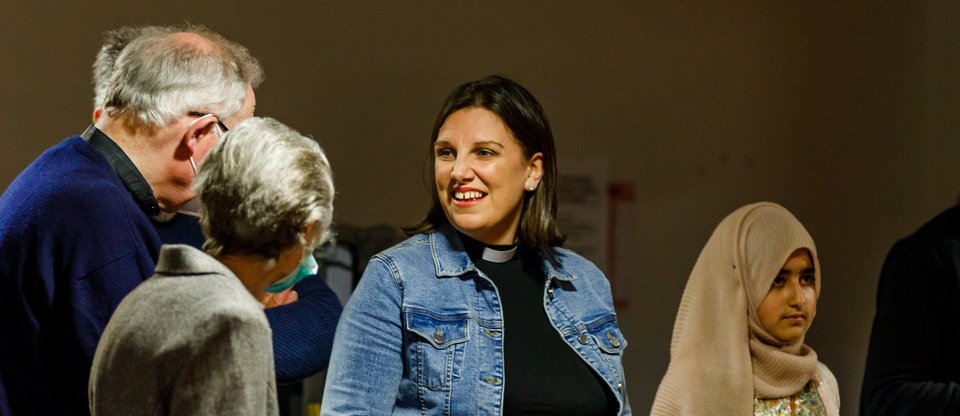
pixel 608 336
pixel 435 346
pixel 610 342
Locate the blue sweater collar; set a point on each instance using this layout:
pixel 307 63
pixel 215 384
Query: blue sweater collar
pixel 131 177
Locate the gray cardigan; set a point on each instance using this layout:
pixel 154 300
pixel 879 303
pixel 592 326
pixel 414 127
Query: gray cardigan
pixel 190 340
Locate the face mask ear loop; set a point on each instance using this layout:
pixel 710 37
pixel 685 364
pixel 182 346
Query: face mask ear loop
pixel 193 165
pixel 192 207
pixel 216 126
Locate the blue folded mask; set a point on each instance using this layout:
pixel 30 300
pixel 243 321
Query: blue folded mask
pixel 307 267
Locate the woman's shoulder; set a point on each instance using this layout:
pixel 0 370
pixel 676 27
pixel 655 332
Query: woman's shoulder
pixel 824 374
pixel 413 244
pixel 575 263
pixel 581 273
pixel 827 386
pixel 414 253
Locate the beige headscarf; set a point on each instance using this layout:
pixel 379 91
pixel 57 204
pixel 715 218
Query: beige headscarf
pixel 721 358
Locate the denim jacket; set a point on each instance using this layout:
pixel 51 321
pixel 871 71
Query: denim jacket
pixel 423 333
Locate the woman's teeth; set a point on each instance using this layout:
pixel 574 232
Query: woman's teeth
pixel 467 195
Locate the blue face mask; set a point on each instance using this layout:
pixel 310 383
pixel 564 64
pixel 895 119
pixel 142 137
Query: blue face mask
pixel 307 267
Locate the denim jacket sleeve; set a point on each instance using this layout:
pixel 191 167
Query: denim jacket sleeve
pixel 365 365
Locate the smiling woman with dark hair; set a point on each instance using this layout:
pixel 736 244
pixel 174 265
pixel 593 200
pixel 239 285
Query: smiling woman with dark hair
pixel 481 311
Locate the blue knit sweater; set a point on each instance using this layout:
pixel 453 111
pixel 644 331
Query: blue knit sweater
pixel 73 243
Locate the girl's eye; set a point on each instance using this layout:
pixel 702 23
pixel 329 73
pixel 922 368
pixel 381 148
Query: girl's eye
pixel 779 281
pixel 808 278
pixel 444 154
pixel 485 153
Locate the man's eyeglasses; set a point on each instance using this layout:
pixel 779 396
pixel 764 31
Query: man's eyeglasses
pixel 223 127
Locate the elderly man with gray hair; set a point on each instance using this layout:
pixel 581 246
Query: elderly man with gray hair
pixel 193 339
pixel 75 231
pixel 113 43
pixel 304 317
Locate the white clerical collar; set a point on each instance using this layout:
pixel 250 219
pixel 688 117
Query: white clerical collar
pixel 498 256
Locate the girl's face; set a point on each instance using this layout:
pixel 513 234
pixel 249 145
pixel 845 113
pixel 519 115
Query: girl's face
pixel 482 175
pixel 790 305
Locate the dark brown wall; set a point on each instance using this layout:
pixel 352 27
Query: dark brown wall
pixel 846 114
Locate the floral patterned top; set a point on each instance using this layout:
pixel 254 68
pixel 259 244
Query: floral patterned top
pixel 806 402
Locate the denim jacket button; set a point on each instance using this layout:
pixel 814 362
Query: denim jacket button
pixel 438 337
pixel 489 333
pixel 583 339
pixel 613 340
pixel 493 380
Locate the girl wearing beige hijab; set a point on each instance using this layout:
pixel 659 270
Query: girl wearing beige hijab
pixel 737 344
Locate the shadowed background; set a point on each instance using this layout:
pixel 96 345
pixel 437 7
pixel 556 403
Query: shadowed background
pixel 847 114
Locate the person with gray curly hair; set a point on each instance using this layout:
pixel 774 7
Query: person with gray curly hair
pixel 196 326
pixel 75 231
pixel 262 188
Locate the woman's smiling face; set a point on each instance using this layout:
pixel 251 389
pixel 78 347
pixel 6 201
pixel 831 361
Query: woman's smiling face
pixel 482 175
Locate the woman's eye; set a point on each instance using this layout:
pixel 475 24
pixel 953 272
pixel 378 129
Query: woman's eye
pixel 444 153
pixel 778 281
pixel 808 278
pixel 485 153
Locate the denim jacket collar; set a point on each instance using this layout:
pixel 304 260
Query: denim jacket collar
pixel 451 259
